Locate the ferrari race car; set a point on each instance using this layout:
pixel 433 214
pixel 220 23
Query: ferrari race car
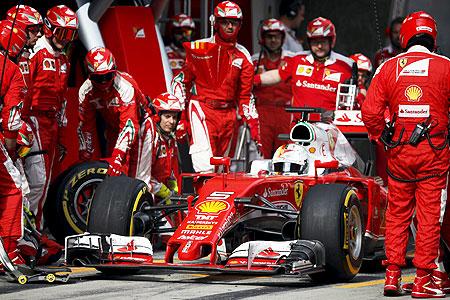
pixel 311 210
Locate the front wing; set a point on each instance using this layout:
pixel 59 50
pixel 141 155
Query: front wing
pixel 114 252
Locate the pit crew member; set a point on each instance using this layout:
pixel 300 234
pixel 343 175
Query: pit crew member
pixel 13 91
pixel 292 14
pixel 158 154
pixel 364 71
pixel 272 100
pixel 49 70
pixel 316 74
pixel 416 87
pixel 212 107
pixel 32 22
pixel 182 27
pixel 394 48
pixel 118 99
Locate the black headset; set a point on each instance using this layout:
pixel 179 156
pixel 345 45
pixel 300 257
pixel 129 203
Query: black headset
pixel 290 10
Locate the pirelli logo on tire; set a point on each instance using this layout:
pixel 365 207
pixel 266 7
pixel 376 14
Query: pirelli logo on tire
pixel 84 173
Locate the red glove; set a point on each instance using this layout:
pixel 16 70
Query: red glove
pixel 182 130
pixel 84 155
pixel 253 124
pixel 115 163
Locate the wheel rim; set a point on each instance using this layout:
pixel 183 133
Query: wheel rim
pixel 355 230
pixel 83 197
pixel 139 209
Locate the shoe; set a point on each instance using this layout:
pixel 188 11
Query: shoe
pixel 441 280
pixel 425 287
pixel 392 283
pixel 15 258
pixel 407 287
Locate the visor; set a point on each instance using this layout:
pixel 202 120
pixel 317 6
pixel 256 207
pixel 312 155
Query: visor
pixel 34 29
pixel 102 78
pixel 65 34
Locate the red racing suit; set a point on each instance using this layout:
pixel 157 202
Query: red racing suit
pixel 120 108
pixel 157 156
pixel 12 94
pixel 176 58
pixel 48 73
pixel 416 86
pixel 313 83
pixel 215 81
pixel 24 66
pixel 383 55
pixel 271 101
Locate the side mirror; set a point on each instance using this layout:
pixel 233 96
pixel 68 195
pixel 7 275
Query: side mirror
pixel 334 164
pixel 221 161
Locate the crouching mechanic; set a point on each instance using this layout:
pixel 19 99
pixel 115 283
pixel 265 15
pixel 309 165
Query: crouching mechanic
pixel 158 156
pixel 418 157
pixel 316 74
pixel 120 102
pixel 216 82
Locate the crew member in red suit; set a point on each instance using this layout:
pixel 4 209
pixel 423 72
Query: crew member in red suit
pixel 394 47
pixel 316 74
pixel 215 82
pixel 158 158
pixel 49 70
pixel 415 86
pixel 271 101
pixel 120 102
pixel 12 95
pixel 364 71
pixel 31 20
pixel 182 27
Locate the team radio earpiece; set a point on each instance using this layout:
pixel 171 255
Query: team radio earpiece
pixel 293 9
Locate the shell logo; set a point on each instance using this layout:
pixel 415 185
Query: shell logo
pixel 413 93
pixel 212 207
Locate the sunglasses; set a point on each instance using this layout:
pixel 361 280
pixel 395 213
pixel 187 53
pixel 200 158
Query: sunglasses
pixel 65 34
pixel 101 78
pixel 225 22
pixel 183 31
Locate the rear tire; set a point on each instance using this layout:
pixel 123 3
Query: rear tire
pixel 332 215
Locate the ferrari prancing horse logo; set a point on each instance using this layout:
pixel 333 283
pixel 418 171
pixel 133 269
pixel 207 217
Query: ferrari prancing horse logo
pixel 298 193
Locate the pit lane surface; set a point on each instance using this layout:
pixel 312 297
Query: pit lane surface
pixel 89 284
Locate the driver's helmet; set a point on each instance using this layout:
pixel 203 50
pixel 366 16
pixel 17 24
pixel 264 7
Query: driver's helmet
pixel 290 158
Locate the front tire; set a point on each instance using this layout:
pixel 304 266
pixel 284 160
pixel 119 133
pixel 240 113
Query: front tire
pixel 115 202
pixel 332 215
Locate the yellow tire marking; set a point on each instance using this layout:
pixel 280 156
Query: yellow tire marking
pixel 136 202
pixel 350 266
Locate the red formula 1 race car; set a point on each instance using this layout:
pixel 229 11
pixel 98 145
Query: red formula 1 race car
pixel 309 210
